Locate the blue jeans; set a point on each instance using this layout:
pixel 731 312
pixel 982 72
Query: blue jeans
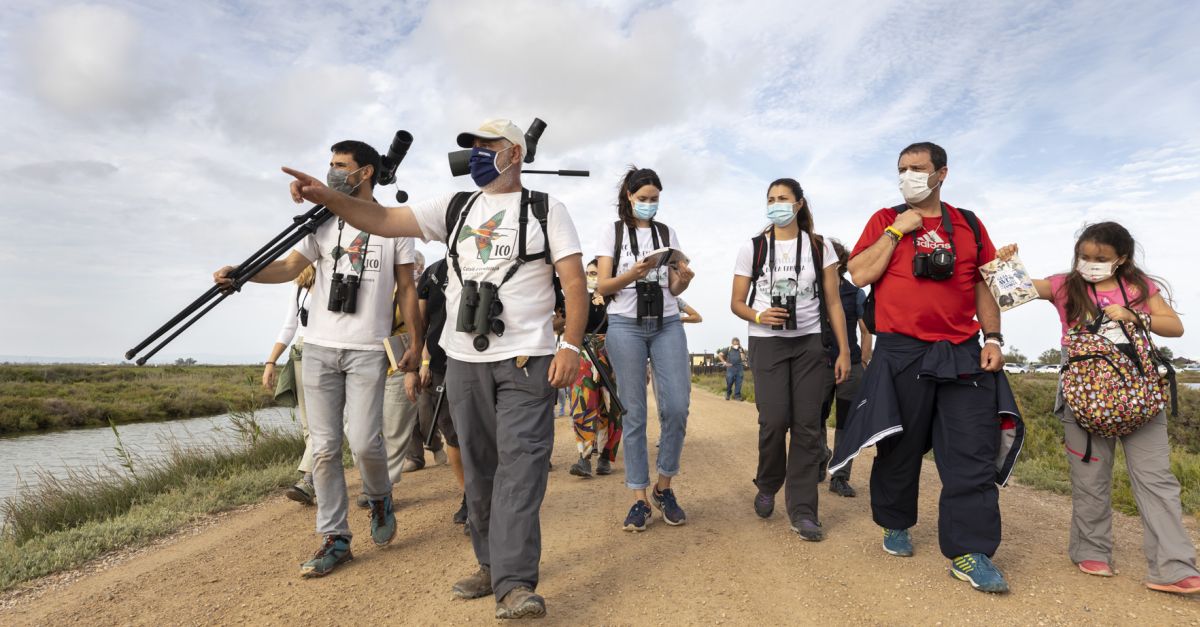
pixel 733 381
pixel 629 346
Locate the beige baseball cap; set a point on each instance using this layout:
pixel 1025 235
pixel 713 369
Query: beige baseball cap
pixel 495 129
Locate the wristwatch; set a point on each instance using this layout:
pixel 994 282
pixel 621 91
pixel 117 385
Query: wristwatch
pixel 568 346
pixel 996 335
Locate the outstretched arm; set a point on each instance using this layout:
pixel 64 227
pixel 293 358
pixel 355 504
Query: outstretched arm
pixel 361 214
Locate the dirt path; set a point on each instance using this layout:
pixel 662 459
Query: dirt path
pixel 724 566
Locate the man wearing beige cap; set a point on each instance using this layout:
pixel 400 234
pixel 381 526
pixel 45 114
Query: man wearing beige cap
pixel 505 244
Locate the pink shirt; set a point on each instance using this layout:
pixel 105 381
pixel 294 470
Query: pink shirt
pixel 1103 299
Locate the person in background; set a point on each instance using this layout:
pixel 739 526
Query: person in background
pixel 597 430
pixel 733 357
pixel 688 314
pixel 293 328
pixel 422 438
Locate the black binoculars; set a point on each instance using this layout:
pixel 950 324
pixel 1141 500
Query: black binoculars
pixel 788 303
pixel 479 312
pixel 649 299
pixel 343 293
pixel 937 265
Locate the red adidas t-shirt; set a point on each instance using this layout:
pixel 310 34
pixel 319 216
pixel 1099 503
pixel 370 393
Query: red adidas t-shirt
pixel 928 310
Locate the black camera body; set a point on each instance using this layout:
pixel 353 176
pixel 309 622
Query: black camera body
pixel 787 303
pixel 479 312
pixel 937 265
pixel 649 299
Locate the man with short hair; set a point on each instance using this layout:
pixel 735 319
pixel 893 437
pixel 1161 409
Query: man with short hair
pixel 930 383
pixel 733 358
pixel 505 243
pixel 344 360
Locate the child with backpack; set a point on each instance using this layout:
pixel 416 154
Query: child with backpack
pixel 1108 307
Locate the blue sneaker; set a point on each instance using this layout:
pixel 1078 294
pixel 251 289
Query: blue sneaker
pixel 639 517
pixel 383 521
pixel 897 542
pixel 334 552
pixel 666 503
pixel 980 571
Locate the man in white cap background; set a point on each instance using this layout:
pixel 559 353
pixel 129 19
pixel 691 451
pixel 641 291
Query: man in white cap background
pixel 505 243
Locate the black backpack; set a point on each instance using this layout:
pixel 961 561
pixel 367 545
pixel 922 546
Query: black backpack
pixel 868 316
pixel 816 244
pixel 537 203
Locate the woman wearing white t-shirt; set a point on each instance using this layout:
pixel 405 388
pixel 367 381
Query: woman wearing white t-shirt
pixel 656 335
pixel 789 355
pixel 297 317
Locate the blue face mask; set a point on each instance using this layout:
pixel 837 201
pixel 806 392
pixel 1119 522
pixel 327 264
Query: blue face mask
pixel 645 210
pixel 483 166
pixel 781 213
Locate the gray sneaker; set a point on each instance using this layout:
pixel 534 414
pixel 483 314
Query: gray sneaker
pixel 475 586
pixel 333 553
pixel 582 468
pixel 521 602
pixel 363 502
pixel 303 491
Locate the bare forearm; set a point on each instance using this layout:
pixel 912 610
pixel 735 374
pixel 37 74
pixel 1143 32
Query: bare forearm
pixel 986 309
pixel 281 270
pixel 866 267
pixel 374 218
pixel 574 286
pixel 276 352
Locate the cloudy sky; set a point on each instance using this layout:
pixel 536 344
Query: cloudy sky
pixel 143 140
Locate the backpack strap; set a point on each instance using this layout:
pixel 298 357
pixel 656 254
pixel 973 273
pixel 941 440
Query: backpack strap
pixel 618 239
pixel 973 222
pixel 456 216
pixel 758 256
pixel 539 204
pixel 453 211
pixel 816 245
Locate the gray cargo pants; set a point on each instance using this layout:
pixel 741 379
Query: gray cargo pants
pixel 341 382
pixel 504 417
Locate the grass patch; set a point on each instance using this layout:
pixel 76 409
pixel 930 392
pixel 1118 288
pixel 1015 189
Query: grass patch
pixel 37 398
pixel 1043 464
pixel 65 523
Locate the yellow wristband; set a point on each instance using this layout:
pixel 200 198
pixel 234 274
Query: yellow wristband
pixel 758 317
pixel 894 231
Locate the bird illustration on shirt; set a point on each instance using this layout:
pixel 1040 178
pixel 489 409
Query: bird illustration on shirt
pixel 483 235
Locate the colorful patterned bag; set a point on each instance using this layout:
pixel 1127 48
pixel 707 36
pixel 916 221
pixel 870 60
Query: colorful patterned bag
pixel 1115 387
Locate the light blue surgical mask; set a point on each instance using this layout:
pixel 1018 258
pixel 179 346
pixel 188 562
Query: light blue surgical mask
pixel 645 210
pixel 781 213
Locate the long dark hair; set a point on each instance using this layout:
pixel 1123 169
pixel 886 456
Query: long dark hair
pixel 804 217
pixel 843 255
pixel 1080 305
pixel 635 178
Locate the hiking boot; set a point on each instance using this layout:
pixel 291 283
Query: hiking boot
pixel 666 503
pixel 383 521
pixel 897 542
pixel 603 466
pixel 460 517
pixel 475 586
pixel 363 502
pixel 1095 567
pixel 334 552
pixel 439 457
pixel 809 530
pixel 582 468
pixel 841 487
pixel 412 465
pixel 1190 585
pixel 521 602
pixel 764 504
pixel 977 569
pixel 302 491
pixel 639 517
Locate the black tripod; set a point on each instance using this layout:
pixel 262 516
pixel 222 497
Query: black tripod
pixel 301 227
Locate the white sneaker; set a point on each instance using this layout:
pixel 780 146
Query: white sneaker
pixel 439 457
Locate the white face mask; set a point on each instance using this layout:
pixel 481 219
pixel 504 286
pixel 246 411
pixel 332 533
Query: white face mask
pixel 914 186
pixel 593 283
pixel 1095 272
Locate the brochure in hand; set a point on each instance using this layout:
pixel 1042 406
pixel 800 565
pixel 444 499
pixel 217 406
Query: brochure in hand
pixel 1009 282
pixel 666 257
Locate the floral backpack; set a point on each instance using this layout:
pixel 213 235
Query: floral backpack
pixel 1114 379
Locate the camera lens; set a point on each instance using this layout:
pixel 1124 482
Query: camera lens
pixel 481 343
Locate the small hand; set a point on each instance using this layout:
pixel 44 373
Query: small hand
pixel 411 359
pixel 1006 253
pixel 1119 313
pixel 685 272
pixel 641 269
pixel 775 316
pixel 426 376
pixel 308 188
pixel 221 278
pixel 411 386
pixel 564 369
pixel 269 378
pixel 841 368
pixel 597 299
pixel 908 221
pixel 991 358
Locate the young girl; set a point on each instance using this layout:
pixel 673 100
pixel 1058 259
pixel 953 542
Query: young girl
pixel 789 358
pixel 643 323
pixel 1106 279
